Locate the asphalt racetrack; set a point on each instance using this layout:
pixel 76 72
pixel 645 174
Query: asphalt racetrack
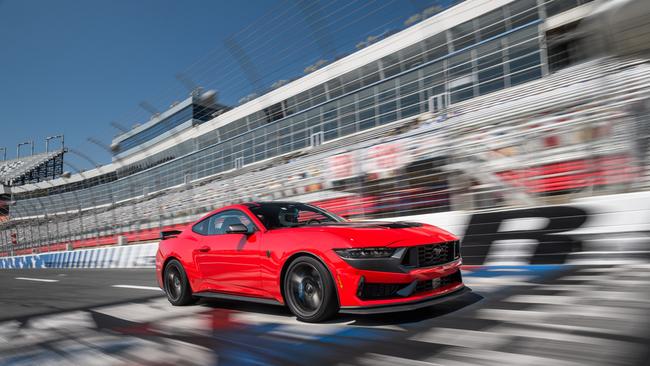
pixel 516 315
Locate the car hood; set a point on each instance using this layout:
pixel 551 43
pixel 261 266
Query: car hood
pixel 381 233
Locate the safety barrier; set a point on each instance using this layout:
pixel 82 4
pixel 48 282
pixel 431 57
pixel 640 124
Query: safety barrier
pixel 127 256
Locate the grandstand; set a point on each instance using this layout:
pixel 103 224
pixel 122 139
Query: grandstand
pixel 32 169
pixel 24 170
pixel 310 178
pixel 458 112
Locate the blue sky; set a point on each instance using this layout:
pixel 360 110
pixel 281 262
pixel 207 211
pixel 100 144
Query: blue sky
pixel 73 66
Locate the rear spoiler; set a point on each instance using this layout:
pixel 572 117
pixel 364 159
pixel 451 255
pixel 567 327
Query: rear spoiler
pixel 169 234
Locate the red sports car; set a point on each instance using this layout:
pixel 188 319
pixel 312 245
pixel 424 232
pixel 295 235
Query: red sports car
pixel 311 260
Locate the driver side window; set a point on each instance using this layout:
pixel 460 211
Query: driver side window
pixel 218 224
pixel 305 216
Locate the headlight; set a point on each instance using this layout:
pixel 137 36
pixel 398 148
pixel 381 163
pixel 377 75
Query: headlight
pixel 360 253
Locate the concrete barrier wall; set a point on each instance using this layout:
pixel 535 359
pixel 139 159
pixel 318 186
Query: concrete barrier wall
pixel 128 256
pixel 594 230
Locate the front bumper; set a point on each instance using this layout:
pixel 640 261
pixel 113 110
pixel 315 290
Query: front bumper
pixel 359 288
pixel 406 305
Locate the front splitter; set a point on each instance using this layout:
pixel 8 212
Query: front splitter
pixel 393 308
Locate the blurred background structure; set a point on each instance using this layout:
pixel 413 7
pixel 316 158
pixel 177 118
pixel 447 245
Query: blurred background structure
pixel 479 105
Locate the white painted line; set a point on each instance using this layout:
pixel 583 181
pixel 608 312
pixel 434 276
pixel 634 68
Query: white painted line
pixel 376 359
pixel 139 287
pixel 463 338
pixel 35 279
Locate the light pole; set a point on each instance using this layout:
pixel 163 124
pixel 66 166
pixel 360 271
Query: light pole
pixel 22 144
pixel 47 142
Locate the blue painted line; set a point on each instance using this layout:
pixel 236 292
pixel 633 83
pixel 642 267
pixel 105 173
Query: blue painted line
pixel 533 269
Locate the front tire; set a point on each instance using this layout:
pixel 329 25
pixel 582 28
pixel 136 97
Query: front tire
pixel 309 290
pixel 176 285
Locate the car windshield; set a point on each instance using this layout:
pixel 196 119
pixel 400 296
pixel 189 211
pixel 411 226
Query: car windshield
pixel 276 215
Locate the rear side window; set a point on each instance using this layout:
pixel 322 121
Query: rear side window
pixel 201 227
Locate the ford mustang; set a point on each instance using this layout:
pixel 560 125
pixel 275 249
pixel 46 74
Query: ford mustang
pixel 310 260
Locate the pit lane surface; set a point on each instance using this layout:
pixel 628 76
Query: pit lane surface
pixel 533 315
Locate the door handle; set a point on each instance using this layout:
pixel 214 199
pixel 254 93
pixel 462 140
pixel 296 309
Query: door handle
pixel 204 249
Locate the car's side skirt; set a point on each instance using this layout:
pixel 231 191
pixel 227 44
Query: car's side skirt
pixel 222 296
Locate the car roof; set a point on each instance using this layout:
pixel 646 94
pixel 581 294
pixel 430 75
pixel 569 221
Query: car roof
pixel 258 203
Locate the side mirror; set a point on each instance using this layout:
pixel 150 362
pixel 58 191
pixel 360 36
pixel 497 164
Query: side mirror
pixel 237 229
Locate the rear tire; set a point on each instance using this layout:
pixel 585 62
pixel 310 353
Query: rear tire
pixel 176 285
pixel 309 290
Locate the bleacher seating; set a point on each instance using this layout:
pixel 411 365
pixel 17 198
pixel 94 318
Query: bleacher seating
pixel 13 169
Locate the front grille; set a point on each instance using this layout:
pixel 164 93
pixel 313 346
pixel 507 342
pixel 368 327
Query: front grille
pixel 423 286
pixel 378 291
pixel 375 291
pixel 430 285
pixel 451 279
pixel 433 254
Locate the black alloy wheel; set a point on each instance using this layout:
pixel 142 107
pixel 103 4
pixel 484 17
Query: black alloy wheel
pixel 309 290
pixel 176 284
